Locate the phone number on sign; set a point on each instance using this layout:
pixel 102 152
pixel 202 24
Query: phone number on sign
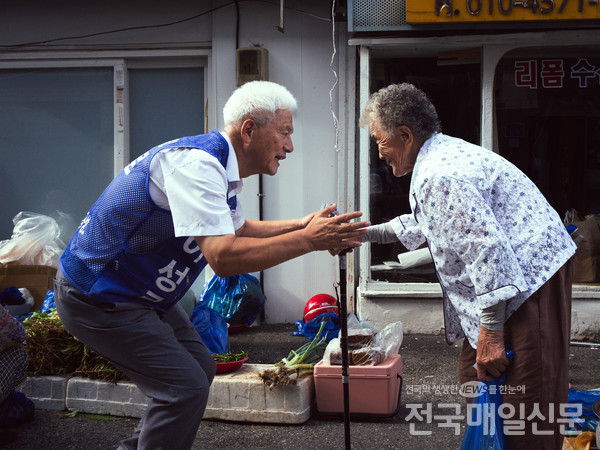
pixel 496 10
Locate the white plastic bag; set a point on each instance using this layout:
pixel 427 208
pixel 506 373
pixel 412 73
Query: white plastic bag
pixel 35 241
pixel 389 339
pixel 366 348
pixel 333 352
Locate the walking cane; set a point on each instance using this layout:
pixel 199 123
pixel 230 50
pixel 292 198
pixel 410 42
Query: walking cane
pixel 341 299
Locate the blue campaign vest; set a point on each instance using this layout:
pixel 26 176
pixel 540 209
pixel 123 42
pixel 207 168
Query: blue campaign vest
pixel 125 248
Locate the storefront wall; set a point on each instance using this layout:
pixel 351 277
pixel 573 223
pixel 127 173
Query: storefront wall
pixel 533 103
pixel 103 67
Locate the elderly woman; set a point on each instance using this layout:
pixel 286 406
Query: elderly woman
pixel 501 254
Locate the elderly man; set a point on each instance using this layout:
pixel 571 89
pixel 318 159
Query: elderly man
pixel 153 230
pixel 501 254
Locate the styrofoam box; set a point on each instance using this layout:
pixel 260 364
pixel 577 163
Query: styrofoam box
pixel 373 390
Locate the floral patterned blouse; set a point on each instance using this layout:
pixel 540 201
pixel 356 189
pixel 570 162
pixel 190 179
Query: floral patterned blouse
pixel 492 234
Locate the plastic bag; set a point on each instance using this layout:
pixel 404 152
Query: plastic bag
pixel 18 302
pixel 333 353
pixel 582 441
pixel 484 424
pixel 238 299
pixel 48 302
pixel 389 339
pixel 11 296
pixel 485 428
pixel 35 241
pixel 584 417
pixel 366 348
pixel 311 328
pixel 211 327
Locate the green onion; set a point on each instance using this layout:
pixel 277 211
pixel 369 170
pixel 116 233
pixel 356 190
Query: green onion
pixel 299 362
pixel 308 355
pixel 229 357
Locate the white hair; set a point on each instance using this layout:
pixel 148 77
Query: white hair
pixel 258 100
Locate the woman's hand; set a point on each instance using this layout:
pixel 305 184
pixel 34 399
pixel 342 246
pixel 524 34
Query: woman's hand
pixel 491 354
pixel 334 232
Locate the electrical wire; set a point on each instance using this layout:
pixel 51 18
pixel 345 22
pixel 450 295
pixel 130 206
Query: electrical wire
pixel 143 27
pixel 237 24
pixel 335 119
pixel 102 33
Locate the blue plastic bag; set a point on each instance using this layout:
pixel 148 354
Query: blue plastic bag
pixel 485 428
pixel 238 299
pixel 311 328
pixel 211 327
pixel 584 418
pixel 11 296
pixel 48 303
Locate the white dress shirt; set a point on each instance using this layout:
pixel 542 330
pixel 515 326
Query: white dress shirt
pixel 194 186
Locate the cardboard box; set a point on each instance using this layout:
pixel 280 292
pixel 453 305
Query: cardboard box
pixel 586 262
pixel 374 390
pixel 37 279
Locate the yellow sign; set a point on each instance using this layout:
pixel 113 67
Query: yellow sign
pixel 456 11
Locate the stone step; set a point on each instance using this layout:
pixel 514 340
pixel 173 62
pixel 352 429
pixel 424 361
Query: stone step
pixel 238 396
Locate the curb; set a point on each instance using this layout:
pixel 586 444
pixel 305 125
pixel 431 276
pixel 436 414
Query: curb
pixel 238 396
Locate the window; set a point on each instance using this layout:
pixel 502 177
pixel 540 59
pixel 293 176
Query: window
pixel 57 140
pixel 452 88
pixel 67 125
pixel 164 104
pixel 548 124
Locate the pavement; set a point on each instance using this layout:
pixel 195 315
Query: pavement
pixel 430 380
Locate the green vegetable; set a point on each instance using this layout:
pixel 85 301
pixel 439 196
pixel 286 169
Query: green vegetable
pixel 299 362
pixel 41 316
pixel 229 357
pixel 305 357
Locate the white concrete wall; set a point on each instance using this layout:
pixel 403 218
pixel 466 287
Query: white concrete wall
pixel 425 315
pixel 299 59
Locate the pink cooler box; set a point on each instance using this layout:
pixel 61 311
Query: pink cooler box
pixel 374 390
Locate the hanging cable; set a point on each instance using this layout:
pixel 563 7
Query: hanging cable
pixel 335 119
pixel 101 33
pixel 237 24
pixel 144 27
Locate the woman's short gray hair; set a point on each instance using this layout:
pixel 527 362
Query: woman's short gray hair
pixel 401 104
pixel 258 100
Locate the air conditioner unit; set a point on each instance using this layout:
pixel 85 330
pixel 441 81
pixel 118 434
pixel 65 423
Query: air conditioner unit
pixel 376 15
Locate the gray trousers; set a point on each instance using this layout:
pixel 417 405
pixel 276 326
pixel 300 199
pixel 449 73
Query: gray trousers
pixel 164 357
